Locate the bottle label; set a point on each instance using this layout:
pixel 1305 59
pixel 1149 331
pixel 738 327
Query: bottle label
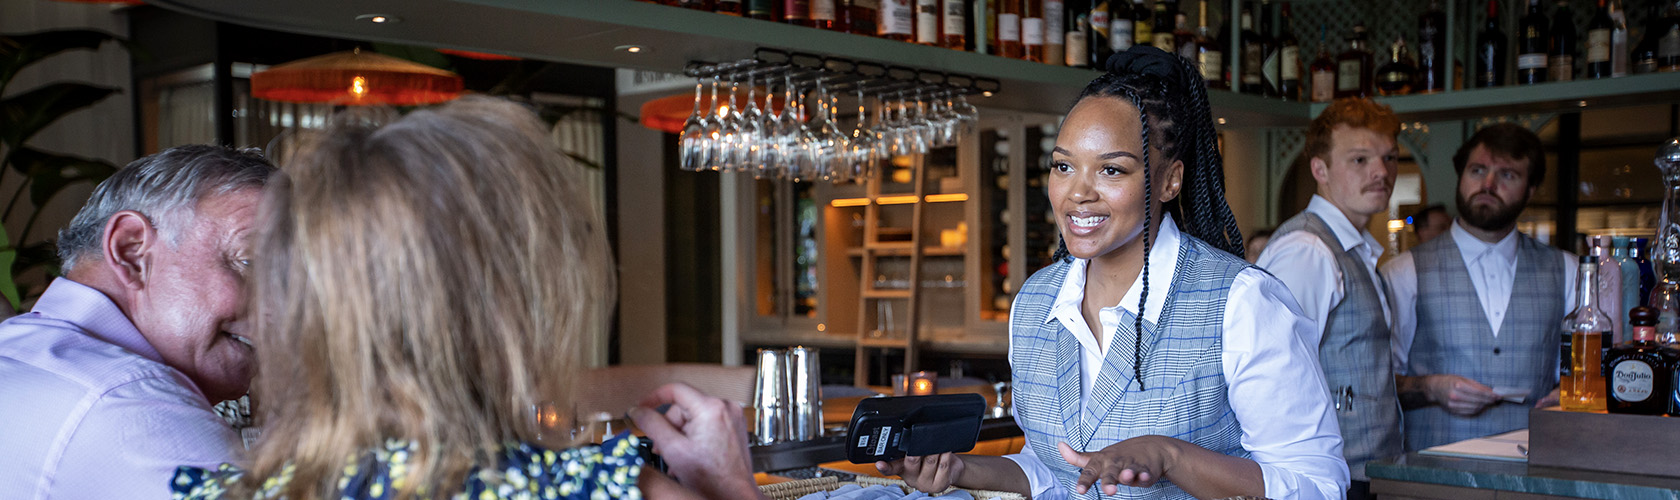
pixel 1323 86
pixel 796 10
pixel 1347 75
pixel 1598 46
pixel 897 18
pixel 954 25
pixel 1099 19
pixel 1164 41
pixel 1009 27
pixel 1562 68
pixel 1032 31
pixel 759 8
pixel 1076 47
pixel 1291 65
pixel 1053 18
pixel 1213 65
pixel 1531 61
pixel 1631 381
pixel 1120 34
pixel 1253 63
pixel 822 10
pixel 1142 33
pixel 927 21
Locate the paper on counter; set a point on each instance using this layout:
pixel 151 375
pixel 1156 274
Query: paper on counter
pixel 1496 447
pixel 1512 394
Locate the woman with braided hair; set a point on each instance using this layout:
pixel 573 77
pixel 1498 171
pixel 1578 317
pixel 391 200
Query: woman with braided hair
pixel 1220 394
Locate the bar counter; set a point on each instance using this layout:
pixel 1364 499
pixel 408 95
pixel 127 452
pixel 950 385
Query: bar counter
pixel 1436 477
pixel 837 414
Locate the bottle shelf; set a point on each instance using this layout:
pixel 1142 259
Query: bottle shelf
pixel 904 251
pixel 1539 98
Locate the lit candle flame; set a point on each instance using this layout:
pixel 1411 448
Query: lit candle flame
pixel 358 87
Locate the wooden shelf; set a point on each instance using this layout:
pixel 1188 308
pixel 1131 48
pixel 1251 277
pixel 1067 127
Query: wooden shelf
pixel 1541 98
pixel 886 294
pixel 883 343
pixel 904 251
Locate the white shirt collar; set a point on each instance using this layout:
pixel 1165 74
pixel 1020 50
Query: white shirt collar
pixel 1163 264
pixel 1473 248
pixel 1339 225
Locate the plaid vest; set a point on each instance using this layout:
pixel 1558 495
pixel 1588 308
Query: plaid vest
pixel 1453 337
pixel 1185 390
pixel 1354 352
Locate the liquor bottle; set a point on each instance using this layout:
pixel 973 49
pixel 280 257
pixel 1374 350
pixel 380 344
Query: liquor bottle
pixel 1531 46
pixel 861 16
pixel 1122 26
pixel 1077 40
pixel 1323 70
pixel 1254 48
pixel 1032 30
pixel 1618 40
pixel 927 22
pixel 764 10
pixel 1271 65
pixel 1560 54
pixel 983 14
pixel 1644 57
pixel 1599 42
pixel 953 25
pixel 823 13
pixel 896 21
pixel 1353 66
pixel 1143 24
pixel 1055 53
pixel 1097 43
pixel 729 7
pixel 1395 77
pixel 798 12
pixel 1490 50
pixel 1647 275
pixel 1165 28
pixel 1639 375
pixel 1630 276
pixel 1184 40
pixel 1668 47
pixel 1580 367
pixel 1609 288
pixel 1009 29
pixel 705 5
pixel 1289 57
pixel 1210 55
pixel 1432 49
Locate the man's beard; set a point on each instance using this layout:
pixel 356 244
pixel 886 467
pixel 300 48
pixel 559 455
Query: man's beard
pixel 1490 218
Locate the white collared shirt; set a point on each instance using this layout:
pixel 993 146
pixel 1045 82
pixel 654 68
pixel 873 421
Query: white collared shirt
pixel 1273 380
pixel 1308 266
pixel 1493 270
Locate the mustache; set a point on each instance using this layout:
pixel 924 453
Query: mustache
pixel 1385 184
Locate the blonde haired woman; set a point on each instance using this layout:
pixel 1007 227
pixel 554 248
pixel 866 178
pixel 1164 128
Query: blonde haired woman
pixel 421 285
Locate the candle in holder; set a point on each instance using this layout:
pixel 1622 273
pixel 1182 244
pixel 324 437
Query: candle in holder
pixel 924 383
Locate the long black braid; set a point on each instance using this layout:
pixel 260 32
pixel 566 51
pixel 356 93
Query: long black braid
pixel 1171 98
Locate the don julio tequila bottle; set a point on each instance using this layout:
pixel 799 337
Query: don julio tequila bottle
pixel 1640 374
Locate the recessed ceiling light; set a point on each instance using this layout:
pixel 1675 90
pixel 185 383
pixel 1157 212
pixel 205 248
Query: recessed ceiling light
pixel 1221 121
pixel 1582 104
pixel 379 18
pixel 987 93
pixel 633 49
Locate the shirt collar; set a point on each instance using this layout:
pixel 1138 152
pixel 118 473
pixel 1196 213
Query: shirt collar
pixel 94 313
pixel 1163 264
pixel 1340 226
pixel 1473 248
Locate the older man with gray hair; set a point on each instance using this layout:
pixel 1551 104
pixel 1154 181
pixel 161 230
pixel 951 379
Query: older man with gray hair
pixel 109 380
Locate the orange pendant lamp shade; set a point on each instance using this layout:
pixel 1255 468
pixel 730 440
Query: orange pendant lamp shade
pixel 482 56
pixel 356 78
pixel 113 2
pixel 668 113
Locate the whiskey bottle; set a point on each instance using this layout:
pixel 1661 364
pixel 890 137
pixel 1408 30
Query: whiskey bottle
pixel 1032 30
pixel 1432 49
pixel 765 10
pixel 1580 366
pixel 1099 46
pixel 1122 26
pixel 1143 26
pixel 1009 29
pixel 1183 38
pixel 728 8
pixel 1055 52
pixel 1395 77
pixel 927 22
pixel 1076 41
pixel 705 5
pixel 1323 71
pixel 1640 374
pixel 858 17
pixel 798 12
pixel 1254 48
pixel 1563 47
pixel 1490 50
pixel 1531 46
pixel 1353 66
pixel 823 15
pixel 897 20
pixel 1165 27
pixel 1210 55
pixel 1289 57
pixel 1600 32
pixel 953 24
pixel 1644 58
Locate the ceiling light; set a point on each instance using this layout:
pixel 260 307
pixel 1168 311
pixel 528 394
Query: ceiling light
pixel 633 49
pixel 987 93
pixel 1582 104
pixel 379 18
pixel 1221 121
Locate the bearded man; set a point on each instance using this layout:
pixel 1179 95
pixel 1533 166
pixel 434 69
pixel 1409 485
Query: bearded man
pixel 1477 312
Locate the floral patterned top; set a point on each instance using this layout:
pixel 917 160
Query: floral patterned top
pixel 594 472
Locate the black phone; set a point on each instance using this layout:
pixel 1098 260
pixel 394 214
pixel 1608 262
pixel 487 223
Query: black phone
pixel 886 429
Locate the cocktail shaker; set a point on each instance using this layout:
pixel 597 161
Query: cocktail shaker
pixel 805 384
pixel 771 398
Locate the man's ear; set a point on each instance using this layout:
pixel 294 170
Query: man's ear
pixel 127 242
pixel 1174 176
pixel 1320 170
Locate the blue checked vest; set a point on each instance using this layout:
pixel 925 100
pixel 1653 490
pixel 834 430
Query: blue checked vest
pixel 1453 337
pixel 1184 394
pixel 1354 352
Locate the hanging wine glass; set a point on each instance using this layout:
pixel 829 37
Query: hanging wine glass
pixel 713 134
pixel 969 115
pixel 691 150
pixel 860 151
pixel 832 157
pixel 921 131
pixel 732 142
pixel 787 132
pixel 749 149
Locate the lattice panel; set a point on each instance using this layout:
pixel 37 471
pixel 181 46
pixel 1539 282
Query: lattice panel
pixel 1533 122
pixel 1287 144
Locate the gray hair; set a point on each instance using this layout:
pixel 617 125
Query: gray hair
pixel 163 187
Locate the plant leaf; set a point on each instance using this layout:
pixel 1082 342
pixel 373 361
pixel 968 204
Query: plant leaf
pixel 22 115
pixel 42 254
pixel 19 51
pixel 50 173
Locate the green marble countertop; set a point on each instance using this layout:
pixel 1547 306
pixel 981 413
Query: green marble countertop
pixel 1520 477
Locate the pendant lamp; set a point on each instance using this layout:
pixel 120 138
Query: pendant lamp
pixel 356 78
pixel 112 2
pixel 482 56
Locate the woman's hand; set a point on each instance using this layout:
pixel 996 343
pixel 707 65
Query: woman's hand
pixel 703 440
pixel 1137 462
pixel 930 474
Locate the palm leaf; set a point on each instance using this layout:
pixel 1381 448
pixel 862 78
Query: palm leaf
pixel 19 51
pixel 50 173
pixel 23 115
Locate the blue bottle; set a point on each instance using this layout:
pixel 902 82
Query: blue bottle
pixel 1630 277
pixel 1647 275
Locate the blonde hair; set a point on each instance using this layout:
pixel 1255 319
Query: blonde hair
pixel 427 280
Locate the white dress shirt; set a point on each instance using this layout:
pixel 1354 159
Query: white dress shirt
pixel 1308 266
pixel 1493 269
pixel 1270 364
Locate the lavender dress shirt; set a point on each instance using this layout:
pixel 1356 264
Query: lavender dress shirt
pixel 88 408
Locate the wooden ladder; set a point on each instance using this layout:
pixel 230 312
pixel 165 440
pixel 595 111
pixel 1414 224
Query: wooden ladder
pixel 870 297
